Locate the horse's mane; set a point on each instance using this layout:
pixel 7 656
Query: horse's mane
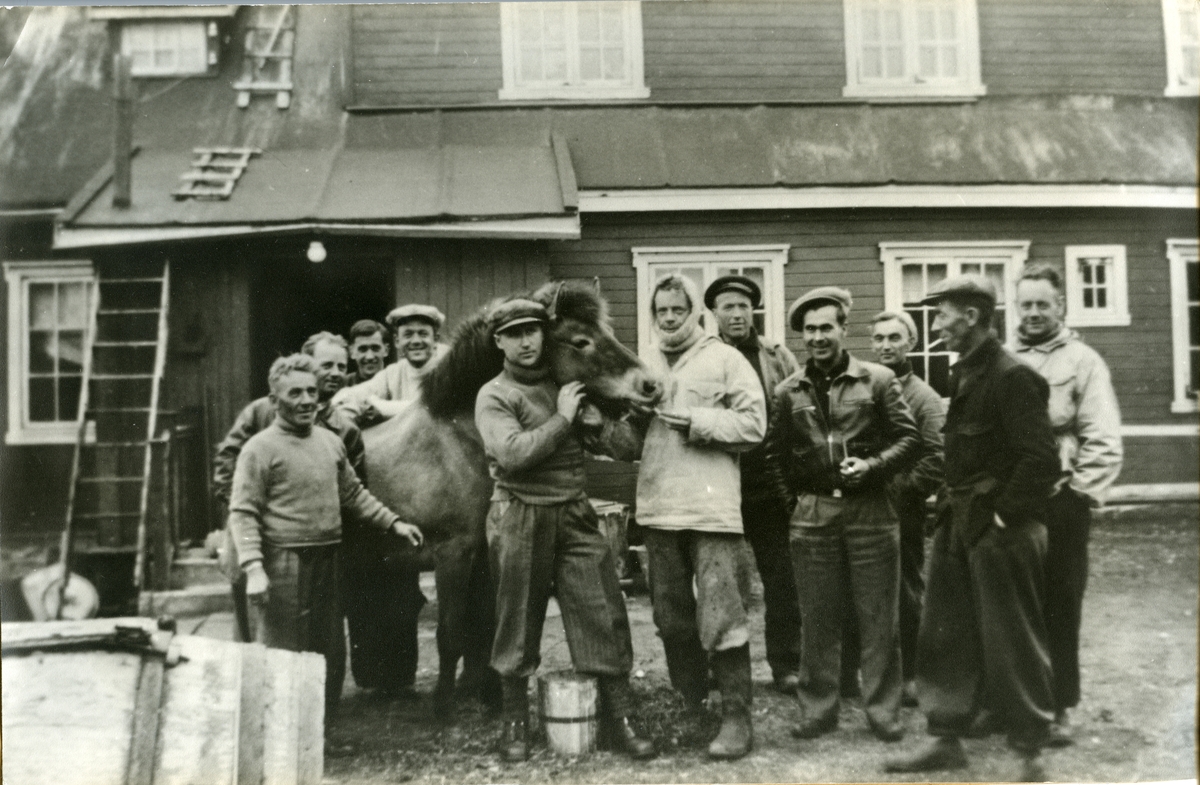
pixel 451 386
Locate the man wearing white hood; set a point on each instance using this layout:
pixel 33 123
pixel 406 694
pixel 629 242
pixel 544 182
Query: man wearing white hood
pixel 689 501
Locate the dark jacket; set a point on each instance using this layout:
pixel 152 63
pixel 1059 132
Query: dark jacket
pixel 775 363
pixel 1000 450
pixel 924 476
pixel 868 419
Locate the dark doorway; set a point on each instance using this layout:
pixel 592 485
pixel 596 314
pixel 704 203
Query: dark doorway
pixel 294 298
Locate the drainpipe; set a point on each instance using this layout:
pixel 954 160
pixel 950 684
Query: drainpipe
pixel 122 131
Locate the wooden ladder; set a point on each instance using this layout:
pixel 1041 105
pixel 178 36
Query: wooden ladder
pixel 124 357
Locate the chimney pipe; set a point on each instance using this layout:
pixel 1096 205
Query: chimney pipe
pixel 122 131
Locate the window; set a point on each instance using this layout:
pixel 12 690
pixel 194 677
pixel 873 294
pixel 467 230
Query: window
pixel 704 264
pixel 169 48
pixel 584 50
pixel 911 269
pixel 1185 322
pixel 49 309
pixel 915 49
pixel 1097 288
pixel 1181 28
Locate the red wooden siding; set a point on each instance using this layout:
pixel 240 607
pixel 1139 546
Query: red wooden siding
pixel 431 53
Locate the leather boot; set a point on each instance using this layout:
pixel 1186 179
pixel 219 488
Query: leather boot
pixel 514 746
pixel 615 711
pixel 687 665
pixel 736 737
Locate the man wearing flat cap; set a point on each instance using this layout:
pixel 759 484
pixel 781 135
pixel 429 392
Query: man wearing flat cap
pixel 543 535
pixel 983 636
pixel 388 393
pixel 733 299
pixel 842 429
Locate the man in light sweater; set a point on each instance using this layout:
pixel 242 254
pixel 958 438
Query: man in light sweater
pixel 291 484
pixel 543 535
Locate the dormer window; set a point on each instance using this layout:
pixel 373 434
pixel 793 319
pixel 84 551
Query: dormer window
pixel 169 48
pixel 1181 28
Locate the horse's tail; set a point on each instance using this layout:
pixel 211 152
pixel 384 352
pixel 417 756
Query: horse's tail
pixel 450 386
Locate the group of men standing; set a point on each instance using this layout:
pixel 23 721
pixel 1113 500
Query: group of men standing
pixel 824 468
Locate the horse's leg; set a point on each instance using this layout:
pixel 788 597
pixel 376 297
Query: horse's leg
pixel 478 676
pixel 452 575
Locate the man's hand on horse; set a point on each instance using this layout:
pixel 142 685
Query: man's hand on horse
pixel 678 420
pixel 257 582
pixel 408 532
pixel 569 398
pixel 589 415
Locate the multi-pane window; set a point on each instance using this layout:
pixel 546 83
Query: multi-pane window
pixel 48 318
pixel 899 49
pixel 1181 28
pixel 166 48
pixel 1185 322
pixel 572 50
pixel 763 264
pixel 910 270
pixel 1096 281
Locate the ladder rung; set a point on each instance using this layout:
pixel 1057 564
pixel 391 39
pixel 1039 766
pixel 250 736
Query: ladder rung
pixel 123 344
pixel 120 376
pixel 122 311
pixel 111 445
pixel 91 516
pixel 220 177
pixel 130 280
pixel 118 409
pixel 102 549
pixel 97 480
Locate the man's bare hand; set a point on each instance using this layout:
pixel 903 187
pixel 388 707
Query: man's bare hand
pixel 409 532
pixel 257 583
pixel 854 471
pixel 677 421
pixel 569 398
pixel 589 415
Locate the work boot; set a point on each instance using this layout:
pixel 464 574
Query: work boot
pixel 1060 730
pixel 943 752
pixel 616 709
pixel 736 737
pixel 687 665
pixel 514 747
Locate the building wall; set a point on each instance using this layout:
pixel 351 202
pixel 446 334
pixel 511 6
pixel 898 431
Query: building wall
pixel 763 50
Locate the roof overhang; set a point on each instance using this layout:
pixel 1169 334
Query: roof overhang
pixel 888 196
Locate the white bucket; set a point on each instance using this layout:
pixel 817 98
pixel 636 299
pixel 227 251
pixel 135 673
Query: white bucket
pixel 567 709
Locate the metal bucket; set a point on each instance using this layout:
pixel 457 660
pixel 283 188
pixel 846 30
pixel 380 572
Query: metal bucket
pixel 567 704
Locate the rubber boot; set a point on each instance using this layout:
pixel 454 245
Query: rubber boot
pixel 616 710
pixel 514 746
pixel 736 737
pixel 687 665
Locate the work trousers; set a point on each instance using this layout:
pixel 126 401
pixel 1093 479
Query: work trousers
pixel 1068 525
pixel 304 609
pixel 713 616
pixel 539 550
pixel 846 551
pixel 766 526
pixel 383 600
pixel 983 638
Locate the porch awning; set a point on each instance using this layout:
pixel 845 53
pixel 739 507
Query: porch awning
pixel 518 192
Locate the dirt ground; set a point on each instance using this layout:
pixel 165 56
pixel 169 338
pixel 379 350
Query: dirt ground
pixel 1136 720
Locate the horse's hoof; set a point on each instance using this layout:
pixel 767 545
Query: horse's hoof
pixel 443 707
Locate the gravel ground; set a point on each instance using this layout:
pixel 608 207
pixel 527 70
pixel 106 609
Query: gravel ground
pixel 1136 721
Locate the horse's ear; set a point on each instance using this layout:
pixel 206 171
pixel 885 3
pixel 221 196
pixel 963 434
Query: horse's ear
pixel 596 285
pixel 552 309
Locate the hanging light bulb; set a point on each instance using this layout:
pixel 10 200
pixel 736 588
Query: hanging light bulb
pixel 316 252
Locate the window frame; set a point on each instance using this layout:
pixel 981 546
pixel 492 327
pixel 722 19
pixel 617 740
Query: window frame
pixel 1177 86
pixel 209 35
pixel 968 86
pixel 892 255
pixel 1179 253
pixel 632 88
pixel 1117 313
pixel 17 277
pixel 771 257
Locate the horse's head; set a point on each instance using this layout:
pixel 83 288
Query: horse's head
pixel 582 347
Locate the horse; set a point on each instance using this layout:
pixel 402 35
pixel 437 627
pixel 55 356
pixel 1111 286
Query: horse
pixel 428 463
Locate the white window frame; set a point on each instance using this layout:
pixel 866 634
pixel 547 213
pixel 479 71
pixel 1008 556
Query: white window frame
pixel 967 85
pixel 1116 313
pixel 17 277
pixel 1179 253
pixel 1014 252
pixel 206 31
pixel 1177 84
pixel 772 258
pixel 634 86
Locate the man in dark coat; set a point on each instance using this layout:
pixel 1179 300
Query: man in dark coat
pixel 983 635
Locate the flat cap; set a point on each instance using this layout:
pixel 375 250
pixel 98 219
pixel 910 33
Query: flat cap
pixel 411 311
pixel 961 286
pixel 513 312
pixel 732 283
pixel 815 298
